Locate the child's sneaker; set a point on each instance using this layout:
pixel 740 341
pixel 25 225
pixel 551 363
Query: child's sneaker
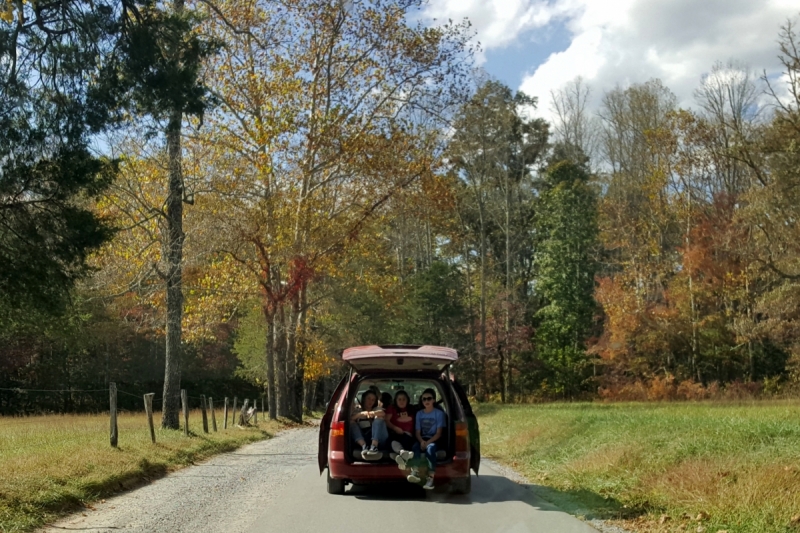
pixel 413 477
pixel 401 463
pixel 428 484
pixel 371 454
pixel 407 455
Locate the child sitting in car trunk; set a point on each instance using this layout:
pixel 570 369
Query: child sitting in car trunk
pixel 400 421
pixel 368 425
pixel 429 424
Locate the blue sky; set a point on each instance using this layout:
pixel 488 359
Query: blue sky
pixel 532 48
pixel 539 45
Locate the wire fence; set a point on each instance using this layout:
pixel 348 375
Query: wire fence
pixel 24 401
pixel 240 411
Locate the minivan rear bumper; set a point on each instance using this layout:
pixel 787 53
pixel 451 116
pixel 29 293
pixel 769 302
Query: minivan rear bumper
pixel 363 473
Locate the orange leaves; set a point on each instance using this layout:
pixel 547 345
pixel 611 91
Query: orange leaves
pixel 622 317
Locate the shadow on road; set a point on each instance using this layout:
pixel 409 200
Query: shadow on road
pixel 492 488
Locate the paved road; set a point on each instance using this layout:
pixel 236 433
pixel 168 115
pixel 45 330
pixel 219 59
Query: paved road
pixel 275 486
pixel 496 504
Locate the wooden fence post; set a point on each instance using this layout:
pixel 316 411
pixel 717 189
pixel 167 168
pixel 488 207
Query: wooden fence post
pixel 148 408
pixel 213 416
pixel 203 412
pixel 225 414
pixel 185 406
pixel 233 412
pixel 242 420
pixel 112 401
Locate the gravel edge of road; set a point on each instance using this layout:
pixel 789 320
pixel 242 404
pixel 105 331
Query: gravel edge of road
pixel 513 475
pixel 252 477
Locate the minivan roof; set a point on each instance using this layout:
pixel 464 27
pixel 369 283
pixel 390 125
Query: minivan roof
pixel 399 357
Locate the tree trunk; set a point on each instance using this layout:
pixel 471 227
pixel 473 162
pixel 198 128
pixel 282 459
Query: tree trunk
pixel 308 395
pixel 482 310
pixel 298 353
pixel 750 356
pixel 506 359
pixel 470 314
pixel 173 253
pixel 300 357
pixel 294 389
pixel 270 355
pixel 692 303
pixel 280 363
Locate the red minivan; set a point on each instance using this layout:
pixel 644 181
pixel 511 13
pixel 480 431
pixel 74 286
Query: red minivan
pixel 391 368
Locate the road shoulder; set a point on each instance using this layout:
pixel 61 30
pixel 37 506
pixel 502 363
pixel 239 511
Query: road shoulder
pixel 223 493
pixel 564 503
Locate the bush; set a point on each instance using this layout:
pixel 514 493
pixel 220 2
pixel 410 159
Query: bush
pixel 666 388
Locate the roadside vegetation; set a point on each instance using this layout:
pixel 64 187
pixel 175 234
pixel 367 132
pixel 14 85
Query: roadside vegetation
pixel 658 467
pixel 56 464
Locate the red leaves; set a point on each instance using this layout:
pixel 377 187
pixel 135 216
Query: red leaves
pixel 300 273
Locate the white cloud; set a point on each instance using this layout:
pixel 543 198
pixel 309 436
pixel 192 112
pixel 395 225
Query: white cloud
pixel 497 23
pixel 620 42
pixel 674 40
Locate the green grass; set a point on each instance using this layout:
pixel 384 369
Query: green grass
pixel 52 465
pixel 636 462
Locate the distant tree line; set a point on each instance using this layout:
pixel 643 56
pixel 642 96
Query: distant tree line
pixel 283 180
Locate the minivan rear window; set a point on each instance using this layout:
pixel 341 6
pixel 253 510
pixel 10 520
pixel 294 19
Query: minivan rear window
pixel 412 387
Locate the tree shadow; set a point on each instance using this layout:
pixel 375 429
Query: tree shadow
pixel 494 488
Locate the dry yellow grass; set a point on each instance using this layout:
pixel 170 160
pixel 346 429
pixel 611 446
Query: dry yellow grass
pixel 53 464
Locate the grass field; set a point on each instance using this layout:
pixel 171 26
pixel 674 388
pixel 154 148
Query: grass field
pixel 50 465
pixel 659 466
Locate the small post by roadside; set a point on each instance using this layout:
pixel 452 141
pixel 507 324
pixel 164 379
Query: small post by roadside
pixel 225 414
pixel 203 412
pixel 213 416
pixel 148 408
pixel 242 420
pixel 233 412
pixel 112 401
pixel 255 411
pixel 185 406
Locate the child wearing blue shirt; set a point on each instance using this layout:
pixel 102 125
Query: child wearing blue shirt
pixel 429 425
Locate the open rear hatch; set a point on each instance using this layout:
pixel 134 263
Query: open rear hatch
pixel 399 358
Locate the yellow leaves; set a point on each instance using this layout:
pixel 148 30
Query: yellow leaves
pixel 7 11
pixel 318 359
pixel 294 166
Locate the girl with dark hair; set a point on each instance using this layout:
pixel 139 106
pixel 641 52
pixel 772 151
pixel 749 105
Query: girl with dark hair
pixel 400 421
pixel 386 400
pixel 368 425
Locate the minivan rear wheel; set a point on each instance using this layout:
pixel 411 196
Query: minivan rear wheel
pixel 335 486
pixel 462 485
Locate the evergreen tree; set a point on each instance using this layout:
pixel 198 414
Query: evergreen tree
pixel 566 230
pixel 161 59
pixel 51 107
pixel 432 311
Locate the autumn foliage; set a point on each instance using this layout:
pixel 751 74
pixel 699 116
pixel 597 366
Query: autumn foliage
pixel 353 181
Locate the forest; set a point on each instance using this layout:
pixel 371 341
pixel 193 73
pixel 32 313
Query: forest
pixel 217 195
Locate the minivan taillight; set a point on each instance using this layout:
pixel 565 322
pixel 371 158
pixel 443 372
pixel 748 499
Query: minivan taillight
pixel 462 437
pixel 337 436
